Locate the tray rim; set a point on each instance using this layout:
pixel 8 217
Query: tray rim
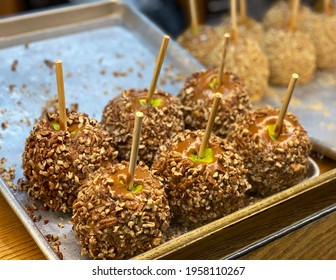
pixel 280 233
pixel 37 34
pixel 238 216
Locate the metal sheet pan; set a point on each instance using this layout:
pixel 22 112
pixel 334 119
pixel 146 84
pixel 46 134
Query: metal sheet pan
pixel 105 47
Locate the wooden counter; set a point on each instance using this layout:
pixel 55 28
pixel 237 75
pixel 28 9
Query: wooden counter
pixel 316 240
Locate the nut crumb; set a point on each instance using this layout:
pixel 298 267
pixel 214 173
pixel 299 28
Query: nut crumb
pixel 14 65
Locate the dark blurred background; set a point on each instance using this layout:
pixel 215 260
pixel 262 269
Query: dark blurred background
pixel 171 15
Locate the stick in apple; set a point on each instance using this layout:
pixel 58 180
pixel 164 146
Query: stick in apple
pixel 61 96
pixel 294 14
pixel 327 7
pixel 157 69
pixel 234 26
pixel 209 126
pixel 242 10
pixel 135 148
pixel 290 89
pixel 194 16
pixel 221 67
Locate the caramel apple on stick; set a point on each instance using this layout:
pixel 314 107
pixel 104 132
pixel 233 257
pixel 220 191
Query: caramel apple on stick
pixel 136 204
pixel 197 95
pixel 163 116
pixel 200 172
pixel 274 145
pixel 61 151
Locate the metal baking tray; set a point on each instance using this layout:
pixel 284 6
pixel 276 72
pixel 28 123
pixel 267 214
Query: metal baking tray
pixel 105 47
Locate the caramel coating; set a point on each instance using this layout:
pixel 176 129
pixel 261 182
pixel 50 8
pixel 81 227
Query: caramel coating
pixel 272 165
pixel 201 192
pixel 111 224
pixel 55 162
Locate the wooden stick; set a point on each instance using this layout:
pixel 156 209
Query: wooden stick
pixel 295 11
pixel 242 10
pixel 157 70
pixel 135 148
pixel 221 67
pixel 194 16
pixel 209 126
pixel 290 89
pixel 234 25
pixel 327 7
pixel 61 96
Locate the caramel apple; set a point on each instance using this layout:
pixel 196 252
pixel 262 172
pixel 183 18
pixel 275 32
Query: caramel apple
pixel 204 177
pixel 121 210
pixel 61 151
pixel 111 222
pixel 273 163
pixel 56 162
pixel 163 119
pixel 201 189
pixel 163 116
pixel 274 146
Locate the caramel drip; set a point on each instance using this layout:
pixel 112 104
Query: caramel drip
pixel 203 88
pixel 73 128
pixel 191 146
pixel 260 128
pixel 122 177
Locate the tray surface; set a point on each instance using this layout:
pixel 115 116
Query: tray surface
pixel 98 63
